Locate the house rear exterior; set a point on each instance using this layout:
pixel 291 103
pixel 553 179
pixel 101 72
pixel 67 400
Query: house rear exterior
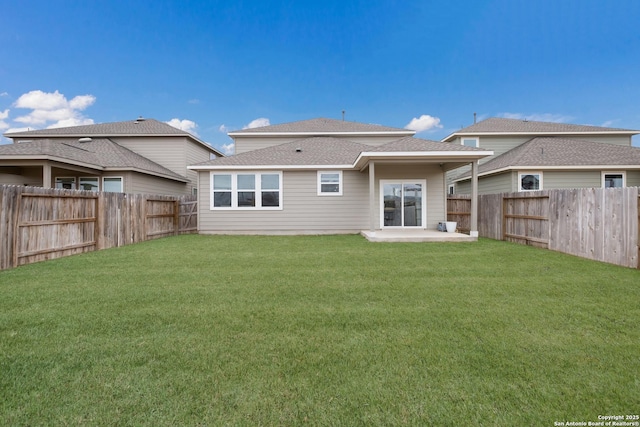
pixel 531 155
pixel 324 176
pixel 138 156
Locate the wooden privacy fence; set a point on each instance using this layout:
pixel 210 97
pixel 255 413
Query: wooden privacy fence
pixel 602 224
pixel 37 224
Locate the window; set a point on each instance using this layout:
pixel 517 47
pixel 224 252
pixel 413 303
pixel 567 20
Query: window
pixel 530 181
pixel 246 190
pixel 330 183
pixel 613 179
pixel 471 142
pixel 89 183
pixel 452 189
pixel 67 183
pixel 112 184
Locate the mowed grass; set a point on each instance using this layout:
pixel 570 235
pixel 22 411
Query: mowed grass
pixel 318 330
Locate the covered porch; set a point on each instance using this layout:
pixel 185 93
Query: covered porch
pixel 406 182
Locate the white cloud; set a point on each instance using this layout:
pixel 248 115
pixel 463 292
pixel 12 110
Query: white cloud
pixel 53 107
pixel 424 123
pixel 185 125
pixel 606 124
pixel 3 116
pixel 262 121
pixel 223 129
pixel 4 94
pixel 229 149
pixel 538 117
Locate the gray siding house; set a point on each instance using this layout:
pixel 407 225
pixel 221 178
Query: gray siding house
pixel 531 155
pixel 324 176
pixel 137 156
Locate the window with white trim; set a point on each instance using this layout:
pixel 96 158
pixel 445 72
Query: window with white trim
pixel 470 142
pixel 68 183
pixel 329 183
pixel 452 189
pixel 246 190
pixel 112 184
pixel 91 183
pixel 614 179
pixel 529 181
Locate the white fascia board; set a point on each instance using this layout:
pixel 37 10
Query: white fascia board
pixel 51 159
pixel 422 155
pixel 535 134
pixel 555 168
pixel 268 167
pixel 146 172
pixel 321 134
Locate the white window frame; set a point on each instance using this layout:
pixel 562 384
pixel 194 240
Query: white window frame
pixel 624 177
pixel 423 205
pixel 329 193
pixel 114 177
pixel 96 178
pixel 258 191
pixel 521 174
pixel 476 139
pixel 75 182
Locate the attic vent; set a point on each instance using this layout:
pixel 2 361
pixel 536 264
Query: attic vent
pixel 82 140
pixel 298 150
pixel 140 119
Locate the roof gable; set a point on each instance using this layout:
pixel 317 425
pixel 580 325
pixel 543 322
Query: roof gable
pixel 323 126
pixel 557 152
pixel 333 152
pixel 99 153
pixel 497 125
pixel 134 128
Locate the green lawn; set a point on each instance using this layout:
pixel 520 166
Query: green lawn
pixel 319 330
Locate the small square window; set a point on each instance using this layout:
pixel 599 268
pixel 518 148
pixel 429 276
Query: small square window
pixel 330 183
pixel 470 142
pixel 530 181
pixel 613 179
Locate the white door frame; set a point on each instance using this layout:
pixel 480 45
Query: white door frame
pixel 422 182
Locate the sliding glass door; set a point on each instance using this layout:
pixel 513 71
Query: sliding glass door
pixel 403 203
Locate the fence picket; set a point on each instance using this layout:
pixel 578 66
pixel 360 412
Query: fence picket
pixel 38 224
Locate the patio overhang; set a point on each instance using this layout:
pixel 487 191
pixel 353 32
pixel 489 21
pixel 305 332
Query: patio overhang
pixel 446 159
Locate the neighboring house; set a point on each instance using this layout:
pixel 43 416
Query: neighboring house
pixel 137 156
pixel 530 155
pixel 328 176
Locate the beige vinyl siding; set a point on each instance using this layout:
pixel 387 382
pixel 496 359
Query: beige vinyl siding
pixel 195 153
pixel 303 210
pixel 147 184
pixel 552 180
pixel 250 143
pixel 499 183
pixel 435 196
pixel 169 152
pixel 633 178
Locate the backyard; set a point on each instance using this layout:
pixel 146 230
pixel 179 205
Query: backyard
pixel 319 330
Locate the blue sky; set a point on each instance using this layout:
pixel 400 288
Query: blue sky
pixel 214 66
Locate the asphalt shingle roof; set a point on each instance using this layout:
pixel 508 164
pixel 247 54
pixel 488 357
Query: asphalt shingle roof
pixel 99 152
pixel 409 144
pixel 502 125
pixel 132 127
pixel 321 125
pixel 302 152
pixel 555 151
pixel 326 151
